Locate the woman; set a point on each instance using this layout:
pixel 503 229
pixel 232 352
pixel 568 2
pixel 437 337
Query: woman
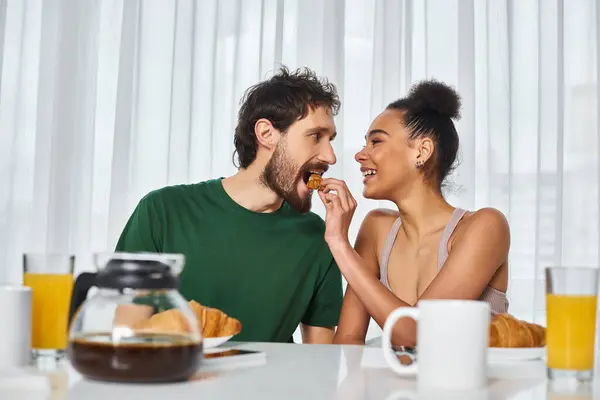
pixel 428 249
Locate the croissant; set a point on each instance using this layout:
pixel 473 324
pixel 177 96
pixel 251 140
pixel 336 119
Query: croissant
pixel 213 322
pixel 508 331
pixel 170 321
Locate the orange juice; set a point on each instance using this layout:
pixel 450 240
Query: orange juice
pixel 51 300
pixel 571 327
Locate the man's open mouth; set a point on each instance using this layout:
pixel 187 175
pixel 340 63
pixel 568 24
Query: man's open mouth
pixel 306 174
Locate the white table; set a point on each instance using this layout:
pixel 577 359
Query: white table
pixel 295 371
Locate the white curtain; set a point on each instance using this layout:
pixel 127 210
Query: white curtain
pixel 102 101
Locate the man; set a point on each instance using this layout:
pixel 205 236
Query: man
pixel 253 248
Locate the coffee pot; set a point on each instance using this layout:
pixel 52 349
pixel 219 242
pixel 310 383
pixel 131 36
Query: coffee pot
pixel 137 327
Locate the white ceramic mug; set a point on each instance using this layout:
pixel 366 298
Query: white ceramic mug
pixel 452 342
pixel 15 316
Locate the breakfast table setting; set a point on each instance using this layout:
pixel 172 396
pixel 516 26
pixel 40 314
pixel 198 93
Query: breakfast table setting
pixel 69 346
pixel 291 371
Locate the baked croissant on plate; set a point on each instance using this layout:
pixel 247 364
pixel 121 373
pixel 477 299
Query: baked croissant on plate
pixel 167 321
pixel 213 322
pixel 508 331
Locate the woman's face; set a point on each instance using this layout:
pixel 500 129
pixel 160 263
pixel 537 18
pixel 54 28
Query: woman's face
pixel 388 159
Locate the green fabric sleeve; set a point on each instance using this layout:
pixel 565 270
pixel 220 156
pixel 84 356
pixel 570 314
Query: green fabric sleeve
pixel 142 233
pixel 326 304
pixel 143 230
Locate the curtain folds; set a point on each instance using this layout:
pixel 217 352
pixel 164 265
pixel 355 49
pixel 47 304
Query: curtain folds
pixel 104 100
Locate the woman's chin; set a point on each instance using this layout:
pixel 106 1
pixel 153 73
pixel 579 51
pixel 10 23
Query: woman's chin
pixel 372 194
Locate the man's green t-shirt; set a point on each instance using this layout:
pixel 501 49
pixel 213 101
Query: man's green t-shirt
pixel 269 270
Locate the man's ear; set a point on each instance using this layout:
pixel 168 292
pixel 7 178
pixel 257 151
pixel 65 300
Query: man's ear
pixel 266 134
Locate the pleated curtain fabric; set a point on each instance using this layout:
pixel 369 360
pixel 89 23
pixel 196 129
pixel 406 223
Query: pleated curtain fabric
pixel 102 101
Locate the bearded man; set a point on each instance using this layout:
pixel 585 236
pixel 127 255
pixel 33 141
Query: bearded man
pixel 253 248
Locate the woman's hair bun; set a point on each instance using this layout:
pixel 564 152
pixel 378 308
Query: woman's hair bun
pixel 432 95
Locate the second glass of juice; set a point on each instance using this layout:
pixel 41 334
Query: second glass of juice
pixel 571 298
pixel 50 277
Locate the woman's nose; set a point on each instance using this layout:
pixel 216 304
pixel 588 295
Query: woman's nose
pixel 360 156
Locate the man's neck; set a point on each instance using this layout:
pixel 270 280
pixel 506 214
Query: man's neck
pixel 246 189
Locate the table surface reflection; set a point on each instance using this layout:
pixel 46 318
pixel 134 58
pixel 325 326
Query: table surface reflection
pixel 297 371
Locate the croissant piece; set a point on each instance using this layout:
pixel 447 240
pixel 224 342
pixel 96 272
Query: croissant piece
pixel 314 182
pixel 212 321
pixel 539 334
pixel 508 331
pixel 170 321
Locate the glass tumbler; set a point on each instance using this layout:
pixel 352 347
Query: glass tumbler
pixel 50 277
pixel 571 297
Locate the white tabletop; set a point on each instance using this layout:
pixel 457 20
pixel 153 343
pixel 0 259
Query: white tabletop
pixel 295 371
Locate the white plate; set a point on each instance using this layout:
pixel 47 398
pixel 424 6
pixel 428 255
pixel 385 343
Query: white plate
pixel 496 354
pixel 209 343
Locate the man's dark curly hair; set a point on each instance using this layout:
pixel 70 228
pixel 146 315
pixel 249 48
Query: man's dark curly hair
pixel 282 99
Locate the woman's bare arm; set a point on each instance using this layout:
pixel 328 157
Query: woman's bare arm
pixel 354 319
pixel 376 299
pixel 475 257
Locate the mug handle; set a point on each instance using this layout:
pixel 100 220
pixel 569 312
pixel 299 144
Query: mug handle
pixel 386 341
pixel 84 282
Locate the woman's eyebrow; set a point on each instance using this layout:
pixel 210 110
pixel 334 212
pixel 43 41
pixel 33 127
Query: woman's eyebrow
pixel 374 131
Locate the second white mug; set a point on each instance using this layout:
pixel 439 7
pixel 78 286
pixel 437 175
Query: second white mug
pixel 15 337
pixel 452 342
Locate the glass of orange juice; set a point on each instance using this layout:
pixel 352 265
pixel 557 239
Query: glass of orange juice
pixel 50 277
pixel 571 297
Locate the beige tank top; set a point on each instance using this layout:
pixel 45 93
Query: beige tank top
pixel 497 299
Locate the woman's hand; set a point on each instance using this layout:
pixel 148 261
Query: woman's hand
pixel 340 206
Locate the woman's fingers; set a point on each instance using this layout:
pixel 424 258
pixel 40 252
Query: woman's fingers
pixel 351 199
pixel 330 183
pixel 335 200
pixel 331 200
pixel 347 201
pixel 326 202
pixel 335 184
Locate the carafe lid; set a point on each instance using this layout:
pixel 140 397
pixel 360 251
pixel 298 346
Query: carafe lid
pixel 136 274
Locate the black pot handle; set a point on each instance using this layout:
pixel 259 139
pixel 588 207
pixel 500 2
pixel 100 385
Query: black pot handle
pixel 84 282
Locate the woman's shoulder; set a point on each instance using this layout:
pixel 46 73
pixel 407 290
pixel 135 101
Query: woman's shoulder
pixel 374 229
pixel 378 222
pixel 381 218
pixel 488 222
pixel 483 237
pixel 486 215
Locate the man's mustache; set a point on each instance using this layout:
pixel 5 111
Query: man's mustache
pixel 316 166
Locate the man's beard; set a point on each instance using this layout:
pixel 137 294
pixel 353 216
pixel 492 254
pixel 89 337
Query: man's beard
pixel 281 175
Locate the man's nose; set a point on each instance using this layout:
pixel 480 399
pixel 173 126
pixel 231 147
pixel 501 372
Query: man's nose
pixel 328 155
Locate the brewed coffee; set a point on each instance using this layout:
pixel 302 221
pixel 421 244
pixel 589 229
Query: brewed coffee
pixel 143 358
